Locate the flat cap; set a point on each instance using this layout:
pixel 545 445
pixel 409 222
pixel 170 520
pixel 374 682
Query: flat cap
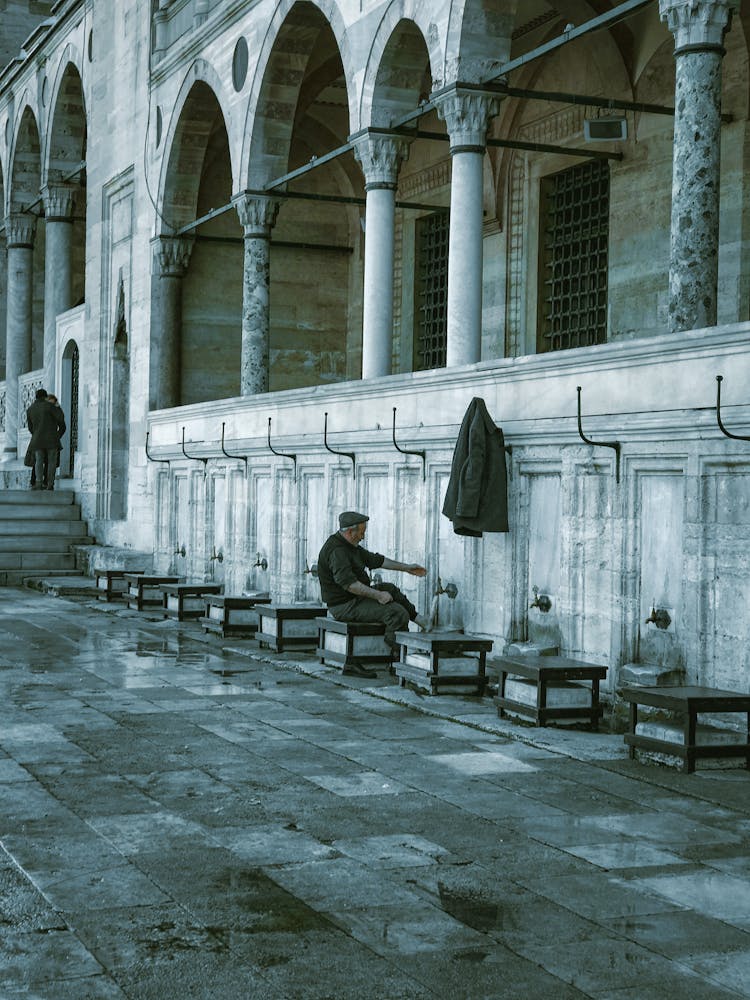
pixel 349 518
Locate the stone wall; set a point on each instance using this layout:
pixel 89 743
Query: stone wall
pixel 604 551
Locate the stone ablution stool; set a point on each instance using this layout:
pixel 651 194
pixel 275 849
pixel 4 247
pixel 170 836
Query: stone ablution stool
pixel 185 601
pixel 281 626
pixel 340 644
pixel 681 735
pixel 143 591
pixel 543 688
pixel 111 584
pixel 449 662
pixel 237 616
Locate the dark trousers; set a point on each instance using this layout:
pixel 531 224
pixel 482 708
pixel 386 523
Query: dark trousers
pixel 45 462
pixel 395 616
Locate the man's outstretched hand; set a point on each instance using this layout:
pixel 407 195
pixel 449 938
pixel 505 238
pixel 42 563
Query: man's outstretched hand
pixel 417 570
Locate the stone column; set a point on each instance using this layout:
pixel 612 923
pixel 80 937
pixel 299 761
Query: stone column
pixel 171 255
pixel 58 268
pixel 466 112
pixel 381 157
pixel 20 229
pixel 699 27
pixel 258 216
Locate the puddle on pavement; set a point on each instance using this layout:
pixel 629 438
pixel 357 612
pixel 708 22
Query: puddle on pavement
pixel 473 911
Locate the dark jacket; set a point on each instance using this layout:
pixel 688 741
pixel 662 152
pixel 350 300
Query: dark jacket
pixel 47 425
pixel 340 564
pixel 476 499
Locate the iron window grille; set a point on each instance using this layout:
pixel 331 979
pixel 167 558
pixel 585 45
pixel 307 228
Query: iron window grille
pixel 430 341
pixel 574 256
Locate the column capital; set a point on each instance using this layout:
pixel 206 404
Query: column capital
pixel 58 202
pixel 257 214
pixel 698 24
pixel 171 255
pixel 381 156
pixel 20 229
pixel 467 112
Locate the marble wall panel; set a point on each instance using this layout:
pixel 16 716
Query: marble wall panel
pixel 725 591
pixel 181 519
pixel 311 531
pixel 448 563
pixel 410 530
pixel 285 570
pixel 216 526
pixel 590 567
pixel 260 529
pixel 236 553
pixel 538 552
pixel 661 512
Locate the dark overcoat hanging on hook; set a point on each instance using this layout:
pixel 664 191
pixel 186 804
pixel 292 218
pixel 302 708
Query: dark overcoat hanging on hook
pixel 477 496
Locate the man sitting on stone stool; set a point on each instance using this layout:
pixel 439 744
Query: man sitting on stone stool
pixel 345 585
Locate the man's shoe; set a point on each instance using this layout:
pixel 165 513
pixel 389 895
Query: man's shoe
pixel 35 487
pixel 424 623
pixel 357 669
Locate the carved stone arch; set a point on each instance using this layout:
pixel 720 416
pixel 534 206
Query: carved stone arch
pixel 24 159
pixel 405 45
pixel 478 39
pixel 67 131
pixel 201 97
pixel 286 53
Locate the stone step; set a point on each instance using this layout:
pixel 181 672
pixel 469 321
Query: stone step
pixel 71 529
pixel 36 497
pixel 33 511
pixel 42 543
pixel 62 584
pixel 27 577
pixel 36 560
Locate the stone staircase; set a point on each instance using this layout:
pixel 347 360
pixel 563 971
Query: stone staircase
pixel 37 532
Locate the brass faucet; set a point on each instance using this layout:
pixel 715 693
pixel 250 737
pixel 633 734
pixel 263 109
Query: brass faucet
pixel 450 589
pixel 262 562
pixel 541 601
pixel 659 617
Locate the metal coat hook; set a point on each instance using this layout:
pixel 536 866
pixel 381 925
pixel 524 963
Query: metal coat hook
pixel 225 452
pixel 599 444
pixel 281 453
pixel 148 454
pixel 722 428
pixel 346 454
pixel 405 451
pixel 193 458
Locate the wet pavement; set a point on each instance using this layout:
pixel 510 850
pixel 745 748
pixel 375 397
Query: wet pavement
pixel 181 818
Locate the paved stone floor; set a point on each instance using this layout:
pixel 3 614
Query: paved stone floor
pixel 179 820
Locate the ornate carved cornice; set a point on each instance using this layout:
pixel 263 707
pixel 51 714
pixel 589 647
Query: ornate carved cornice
pixel 257 214
pixel 171 255
pixel 381 157
pixel 59 200
pixel 698 24
pixel 467 114
pixel 20 230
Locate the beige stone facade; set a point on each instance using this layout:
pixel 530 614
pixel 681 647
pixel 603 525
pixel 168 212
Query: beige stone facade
pixel 122 125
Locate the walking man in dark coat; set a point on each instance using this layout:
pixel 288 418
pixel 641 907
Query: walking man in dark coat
pixel 345 585
pixel 47 426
